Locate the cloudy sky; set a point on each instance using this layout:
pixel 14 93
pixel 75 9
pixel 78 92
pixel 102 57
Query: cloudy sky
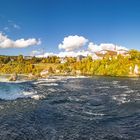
pixel 68 26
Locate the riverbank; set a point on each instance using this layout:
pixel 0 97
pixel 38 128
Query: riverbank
pixel 41 67
pixel 25 77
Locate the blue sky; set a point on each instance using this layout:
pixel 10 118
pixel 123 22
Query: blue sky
pixel 99 21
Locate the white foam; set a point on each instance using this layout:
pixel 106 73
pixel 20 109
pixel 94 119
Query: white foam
pixel 74 99
pixel 13 96
pixel 121 99
pixel 12 91
pixel 1 107
pixel 37 97
pixel 103 87
pixel 123 87
pixel 57 78
pixel 51 89
pixel 40 81
pixel 93 113
pixel 49 84
pixel 115 82
pixel 130 91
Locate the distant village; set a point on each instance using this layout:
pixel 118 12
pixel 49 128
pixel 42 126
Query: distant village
pixel 99 55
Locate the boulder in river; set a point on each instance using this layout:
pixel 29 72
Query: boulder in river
pixel 13 77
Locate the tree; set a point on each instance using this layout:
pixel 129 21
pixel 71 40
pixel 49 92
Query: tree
pixel 50 70
pixel 20 58
pixel 134 54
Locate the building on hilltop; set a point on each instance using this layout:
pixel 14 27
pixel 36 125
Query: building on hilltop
pixel 111 52
pixel 79 58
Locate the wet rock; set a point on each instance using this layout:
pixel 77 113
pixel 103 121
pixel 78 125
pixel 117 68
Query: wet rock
pixel 13 77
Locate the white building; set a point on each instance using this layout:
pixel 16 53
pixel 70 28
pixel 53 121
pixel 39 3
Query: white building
pixel 44 73
pixel 63 60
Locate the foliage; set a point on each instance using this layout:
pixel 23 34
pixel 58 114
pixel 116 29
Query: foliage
pixel 114 66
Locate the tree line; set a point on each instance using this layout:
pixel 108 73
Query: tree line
pixel 118 65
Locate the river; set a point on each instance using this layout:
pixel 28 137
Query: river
pixel 68 108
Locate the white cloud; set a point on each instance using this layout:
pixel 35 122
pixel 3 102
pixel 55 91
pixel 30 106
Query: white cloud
pixel 65 54
pixel 68 54
pixel 72 43
pixel 122 48
pixel 16 26
pixel 104 46
pixel 37 52
pixel 22 43
pixel 46 54
pixel 93 47
pixel 108 46
pixel 6 28
pixel 12 24
pixel 6 42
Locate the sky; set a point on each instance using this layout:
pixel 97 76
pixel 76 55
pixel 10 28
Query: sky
pixel 59 26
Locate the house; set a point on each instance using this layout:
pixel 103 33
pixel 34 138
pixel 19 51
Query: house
pixel 12 59
pixel 122 52
pixel 78 72
pixel 63 60
pixel 101 54
pixel 113 53
pixel 57 71
pixel 44 73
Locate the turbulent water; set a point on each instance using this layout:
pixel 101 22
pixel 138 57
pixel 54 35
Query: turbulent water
pixel 66 108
